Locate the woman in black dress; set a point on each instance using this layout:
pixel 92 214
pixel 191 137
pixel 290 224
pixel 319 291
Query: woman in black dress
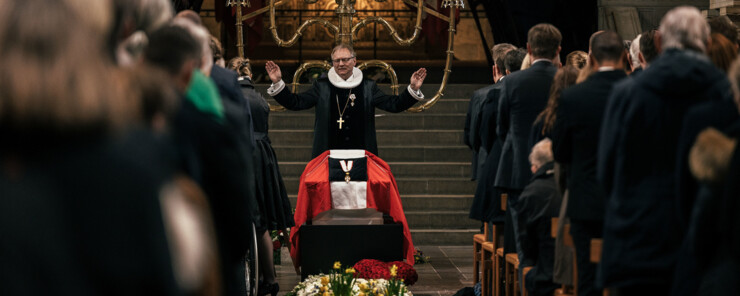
pixel 271 194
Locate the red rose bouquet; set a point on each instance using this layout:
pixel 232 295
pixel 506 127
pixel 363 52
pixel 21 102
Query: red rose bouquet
pixel 375 269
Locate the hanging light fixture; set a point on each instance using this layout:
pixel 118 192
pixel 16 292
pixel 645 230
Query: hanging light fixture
pixel 453 3
pixel 243 3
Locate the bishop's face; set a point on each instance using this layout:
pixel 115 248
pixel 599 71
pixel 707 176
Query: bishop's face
pixel 343 63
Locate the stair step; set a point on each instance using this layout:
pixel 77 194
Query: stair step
pixel 413 185
pixel 443 237
pixel 399 169
pixel 388 153
pixel 421 202
pixel 440 220
pixel 403 121
pixel 385 137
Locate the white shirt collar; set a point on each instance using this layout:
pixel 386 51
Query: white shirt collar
pixel 604 69
pixel 541 60
pixel 351 82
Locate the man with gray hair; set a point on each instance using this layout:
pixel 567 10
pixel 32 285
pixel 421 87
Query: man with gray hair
pixel 538 204
pixel 637 156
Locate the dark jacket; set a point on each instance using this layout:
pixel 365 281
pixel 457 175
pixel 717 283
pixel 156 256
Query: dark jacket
pixel 537 205
pixel 472 136
pixel 523 96
pixel 575 138
pixel 82 216
pixel 487 201
pixel 319 96
pixel 637 162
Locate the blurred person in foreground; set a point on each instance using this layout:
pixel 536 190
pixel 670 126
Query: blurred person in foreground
pixel 80 211
pixel 210 149
pixel 637 156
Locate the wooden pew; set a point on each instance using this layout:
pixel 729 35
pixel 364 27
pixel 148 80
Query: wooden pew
pixel 568 241
pixel 596 245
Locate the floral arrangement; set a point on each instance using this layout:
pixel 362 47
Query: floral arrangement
pixel 375 269
pixel 419 257
pixel 279 239
pixel 347 283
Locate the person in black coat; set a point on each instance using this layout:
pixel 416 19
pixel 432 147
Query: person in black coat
pixel 539 202
pixel 488 148
pixel 637 156
pixel 210 148
pixel 473 135
pixel 523 95
pixel 575 138
pixel 339 124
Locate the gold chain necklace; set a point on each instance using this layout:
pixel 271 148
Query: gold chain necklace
pixel 341 112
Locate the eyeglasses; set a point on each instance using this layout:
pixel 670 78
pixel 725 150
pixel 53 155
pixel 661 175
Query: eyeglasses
pixel 344 60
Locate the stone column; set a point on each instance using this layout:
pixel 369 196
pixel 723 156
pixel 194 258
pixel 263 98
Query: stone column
pixel 631 17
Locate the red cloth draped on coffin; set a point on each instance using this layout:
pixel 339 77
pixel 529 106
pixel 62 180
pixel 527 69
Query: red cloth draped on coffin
pixel 314 197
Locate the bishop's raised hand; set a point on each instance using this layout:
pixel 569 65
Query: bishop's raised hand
pixel 273 71
pixel 417 79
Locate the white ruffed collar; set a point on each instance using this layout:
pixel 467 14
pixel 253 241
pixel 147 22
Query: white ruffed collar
pixel 352 82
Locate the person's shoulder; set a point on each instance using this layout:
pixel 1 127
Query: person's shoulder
pixel 218 72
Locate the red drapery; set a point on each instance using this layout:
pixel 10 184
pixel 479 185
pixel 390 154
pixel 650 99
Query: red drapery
pixel 314 197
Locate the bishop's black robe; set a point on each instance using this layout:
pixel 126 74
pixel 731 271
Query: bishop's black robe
pixel 358 128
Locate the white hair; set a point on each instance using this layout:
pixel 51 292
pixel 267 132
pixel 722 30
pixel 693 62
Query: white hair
pixel 684 27
pixel 541 153
pixel 203 37
pixel 635 51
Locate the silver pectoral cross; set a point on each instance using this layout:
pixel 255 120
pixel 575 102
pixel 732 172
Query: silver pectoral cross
pixel 340 121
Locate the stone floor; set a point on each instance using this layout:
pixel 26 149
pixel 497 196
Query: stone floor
pixel 449 270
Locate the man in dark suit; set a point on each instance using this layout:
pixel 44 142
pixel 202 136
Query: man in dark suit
pixel 473 136
pixel 478 124
pixel 523 95
pixel 637 156
pixel 575 138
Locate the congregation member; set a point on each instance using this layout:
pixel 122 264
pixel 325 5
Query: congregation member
pixel 209 149
pixel 539 202
pixel 577 59
pixel 649 48
pixel 545 121
pixel 80 187
pixel 723 25
pixel 634 53
pixel 523 96
pixel 575 139
pixel 472 136
pixel 721 51
pixel 271 193
pixel 351 125
pixel 637 156
pixel 480 128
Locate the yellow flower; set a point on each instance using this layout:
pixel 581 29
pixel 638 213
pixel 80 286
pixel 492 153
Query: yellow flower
pixel 326 294
pixel 394 270
pixel 361 294
pixel 324 280
pixel 337 265
pixel 349 270
pixel 363 287
pixel 324 288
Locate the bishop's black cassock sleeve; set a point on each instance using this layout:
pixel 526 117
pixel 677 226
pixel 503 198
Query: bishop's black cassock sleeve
pixel 297 102
pixel 391 103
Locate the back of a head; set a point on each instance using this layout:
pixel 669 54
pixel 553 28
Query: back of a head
pixel 723 25
pixel 190 15
pixel 216 50
pixel 648 47
pixel 577 59
pixel 241 66
pixel 721 51
pixel 541 153
pixel 607 46
pixel 544 41
pixel 684 28
pixel 499 52
pixel 55 75
pixel 513 59
pixel 170 47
